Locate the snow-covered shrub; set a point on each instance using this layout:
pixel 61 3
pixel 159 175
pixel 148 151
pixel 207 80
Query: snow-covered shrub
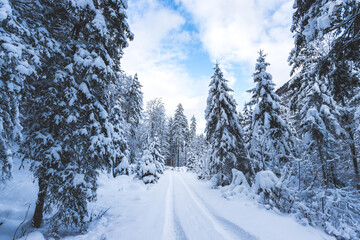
pixel 155 151
pixel 123 168
pixel 337 211
pixel 238 185
pixel 265 181
pixel 266 187
pixel 238 178
pixel 147 168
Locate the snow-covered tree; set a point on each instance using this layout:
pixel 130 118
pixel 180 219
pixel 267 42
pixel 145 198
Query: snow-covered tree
pixel 170 152
pixel 270 146
pixel 193 128
pixel 146 168
pixel 181 134
pixel 335 25
pixel 223 130
pixel 246 121
pixel 19 60
pixel 73 122
pixel 192 161
pixel 133 102
pixel 156 152
pixel 132 105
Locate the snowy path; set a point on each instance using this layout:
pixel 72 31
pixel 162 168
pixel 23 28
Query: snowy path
pixel 197 220
pixel 178 207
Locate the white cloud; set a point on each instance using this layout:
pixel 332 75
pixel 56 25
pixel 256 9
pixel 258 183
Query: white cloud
pixel 233 31
pixel 156 55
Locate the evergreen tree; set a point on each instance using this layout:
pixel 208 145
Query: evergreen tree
pixel 132 104
pixel 155 151
pixel 19 60
pixel 171 152
pixel 73 108
pixel 246 122
pixel 271 144
pixel 146 168
pixel 181 133
pixel 336 25
pixel 193 128
pixel 223 130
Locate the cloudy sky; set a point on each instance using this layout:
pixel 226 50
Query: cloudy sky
pixel 177 43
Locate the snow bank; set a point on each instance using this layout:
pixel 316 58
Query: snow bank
pixel 33 236
pixel 265 180
pixel 239 178
pixel 15 198
pixel 239 185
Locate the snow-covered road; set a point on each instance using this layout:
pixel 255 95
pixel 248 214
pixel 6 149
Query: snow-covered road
pixel 181 207
pixel 178 207
pixel 195 219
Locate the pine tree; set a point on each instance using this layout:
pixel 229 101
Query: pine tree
pixel 223 130
pixel 133 102
pixel 181 133
pixel 75 122
pixel 171 151
pixel 336 25
pixel 146 168
pixel 156 152
pixel 19 60
pixel 246 122
pixel 193 128
pixel 132 105
pixel 271 144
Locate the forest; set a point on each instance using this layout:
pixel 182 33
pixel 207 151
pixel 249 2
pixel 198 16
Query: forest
pixel 69 114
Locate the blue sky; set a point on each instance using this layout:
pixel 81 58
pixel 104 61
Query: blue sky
pixel 177 43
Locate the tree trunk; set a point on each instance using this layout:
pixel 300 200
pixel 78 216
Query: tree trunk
pixel 353 153
pixel 178 156
pixel 323 166
pixel 38 214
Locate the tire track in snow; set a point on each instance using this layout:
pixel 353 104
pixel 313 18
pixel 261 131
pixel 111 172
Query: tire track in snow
pixel 221 225
pixel 168 227
pixel 172 228
pixel 179 231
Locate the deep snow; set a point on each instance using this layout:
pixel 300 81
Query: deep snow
pixel 178 207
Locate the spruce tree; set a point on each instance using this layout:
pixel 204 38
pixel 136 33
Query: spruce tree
pixel 74 116
pixel 132 105
pixel 193 128
pixel 171 151
pixel 223 130
pixel 271 144
pixel 156 152
pixel 334 24
pixel 246 122
pixel 19 61
pixel 181 133
pixel 133 102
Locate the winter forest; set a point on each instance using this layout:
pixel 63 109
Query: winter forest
pixel 83 156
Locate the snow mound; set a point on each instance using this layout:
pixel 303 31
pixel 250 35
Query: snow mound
pixel 124 167
pixel 238 178
pixel 239 185
pixel 265 180
pixel 33 236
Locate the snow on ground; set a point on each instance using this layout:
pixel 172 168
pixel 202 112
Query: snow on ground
pixel 15 198
pixel 178 207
